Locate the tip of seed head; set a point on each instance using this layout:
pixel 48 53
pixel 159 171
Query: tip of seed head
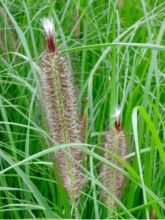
pixel 48 26
pixel 117 113
pixel 49 32
pixel 117 118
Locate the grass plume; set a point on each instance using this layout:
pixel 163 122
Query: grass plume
pixel 60 106
pixel 112 179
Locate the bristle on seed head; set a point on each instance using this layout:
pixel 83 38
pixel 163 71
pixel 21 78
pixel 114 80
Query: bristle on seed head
pixel 117 119
pixel 49 32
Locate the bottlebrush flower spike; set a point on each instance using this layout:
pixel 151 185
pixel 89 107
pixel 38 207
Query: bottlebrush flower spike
pixel 59 100
pixel 111 178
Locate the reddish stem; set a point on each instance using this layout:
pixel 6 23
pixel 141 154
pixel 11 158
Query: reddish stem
pixel 50 43
pixel 118 126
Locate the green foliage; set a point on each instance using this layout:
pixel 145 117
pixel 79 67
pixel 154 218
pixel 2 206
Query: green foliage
pixel 116 50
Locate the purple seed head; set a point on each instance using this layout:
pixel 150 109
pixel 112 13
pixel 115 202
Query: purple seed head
pixel 60 107
pixel 111 178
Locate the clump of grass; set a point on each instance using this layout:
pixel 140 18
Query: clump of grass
pixel 60 107
pixel 130 72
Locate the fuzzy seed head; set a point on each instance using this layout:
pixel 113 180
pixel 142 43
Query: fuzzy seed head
pixel 111 178
pixel 63 122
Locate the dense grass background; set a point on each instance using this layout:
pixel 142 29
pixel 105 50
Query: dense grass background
pixel 116 51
